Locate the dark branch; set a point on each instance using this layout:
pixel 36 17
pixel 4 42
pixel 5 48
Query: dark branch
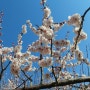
pixel 29 78
pixel 3 69
pixel 52 66
pixel 81 26
pixel 62 83
pixel 21 84
pixel 7 65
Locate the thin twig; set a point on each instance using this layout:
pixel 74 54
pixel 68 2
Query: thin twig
pixel 27 75
pixel 52 66
pixel 3 69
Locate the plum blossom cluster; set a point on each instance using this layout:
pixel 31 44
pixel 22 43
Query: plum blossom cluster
pixel 15 67
pixel 56 56
pixel 61 43
pixel 42 49
pixel 43 1
pixel 46 62
pixel 76 20
pixel 50 55
pixel 4 53
pixel 64 75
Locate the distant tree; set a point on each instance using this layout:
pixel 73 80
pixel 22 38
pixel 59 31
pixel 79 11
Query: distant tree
pixel 55 64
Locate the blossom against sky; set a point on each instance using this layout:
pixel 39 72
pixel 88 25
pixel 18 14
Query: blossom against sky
pixel 16 12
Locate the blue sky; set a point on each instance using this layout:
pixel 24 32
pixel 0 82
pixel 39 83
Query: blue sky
pixel 16 12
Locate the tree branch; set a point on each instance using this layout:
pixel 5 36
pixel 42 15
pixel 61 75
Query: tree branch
pixel 29 78
pixel 62 83
pixel 81 26
pixel 3 69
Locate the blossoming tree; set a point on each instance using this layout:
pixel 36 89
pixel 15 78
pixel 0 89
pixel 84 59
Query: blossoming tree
pixel 54 64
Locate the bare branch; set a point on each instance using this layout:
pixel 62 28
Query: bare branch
pixel 29 78
pixel 3 69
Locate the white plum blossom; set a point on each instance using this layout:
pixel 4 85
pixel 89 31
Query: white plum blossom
pixel 46 63
pixel 63 63
pixel 59 43
pixel 6 50
pixel 32 49
pixel 79 55
pixel 15 67
pixel 24 29
pixel 42 63
pixel 48 34
pixel 42 28
pixel 26 54
pixel 43 1
pixel 47 12
pixel 37 43
pixel 9 57
pixel 22 61
pixel 35 30
pixel 17 48
pixel 68 57
pixel 33 58
pixel 19 37
pixel 82 36
pixel 44 40
pixel 46 53
pixel 72 48
pixel 28 67
pixel 63 49
pixel 4 58
pixel 18 55
pixel 27 21
pixel 49 61
pixel 48 22
pixel 56 54
pixel 65 75
pixel 76 30
pixel 44 50
pixel 56 43
pixel 74 20
pixel 20 42
pixel 58 26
